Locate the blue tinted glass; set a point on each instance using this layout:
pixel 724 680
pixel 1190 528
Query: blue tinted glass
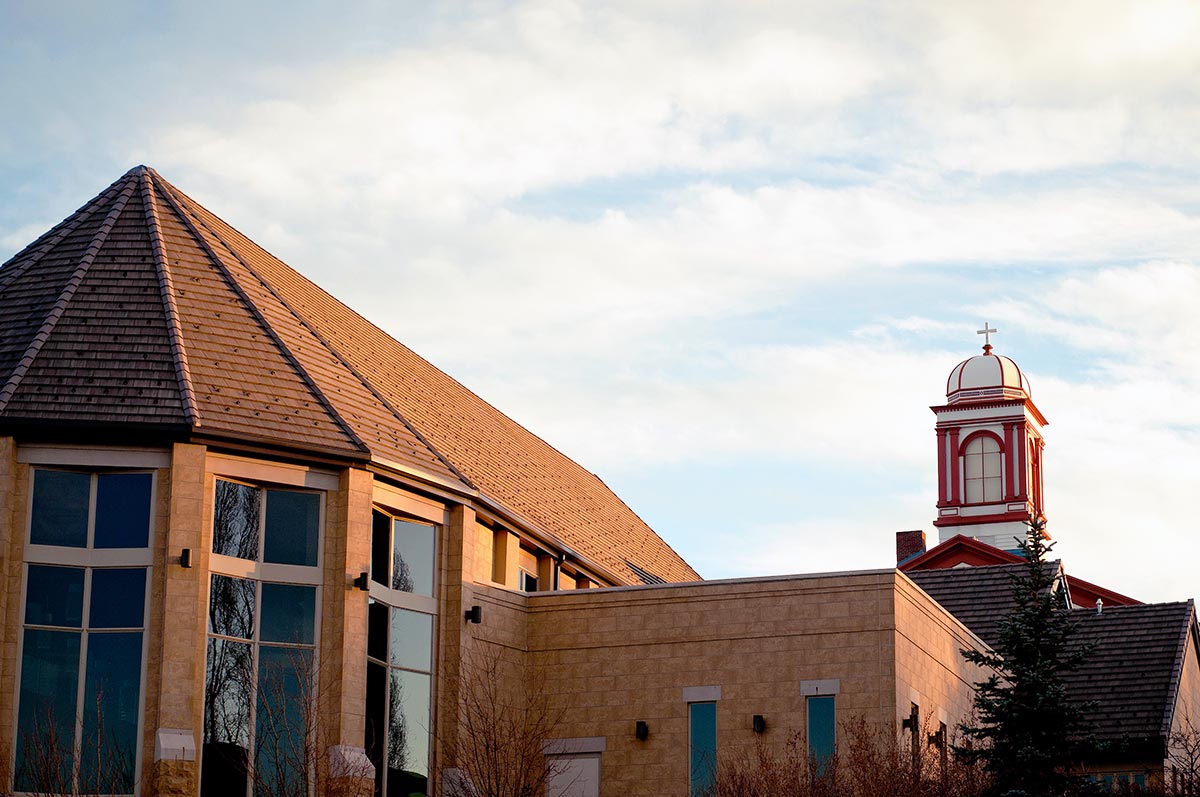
pixel 292 523
pixel 377 630
pixel 231 607
pixel 381 547
pixel 412 558
pixel 820 732
pixel 376 732
pixel 118 598
pixel 46 717
pixel 408 730
pixel 227 689
pixel 412 640
pixel 235 520
pixel 112 682
pixel 54 596
pixel 228 686
pixel 122 510
pixel 287 613
pixel 60 508
pixel 284 695
pixel 702 746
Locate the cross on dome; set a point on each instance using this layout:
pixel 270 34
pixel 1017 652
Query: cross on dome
pixel 987 337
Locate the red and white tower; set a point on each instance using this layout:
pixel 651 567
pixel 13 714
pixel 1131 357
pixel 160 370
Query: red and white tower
pixel 989 437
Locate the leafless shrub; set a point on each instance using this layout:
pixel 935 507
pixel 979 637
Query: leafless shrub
pixel 49 764
pixel 1183 760
pixel 869 762
pixel 292 746
pixel 502 737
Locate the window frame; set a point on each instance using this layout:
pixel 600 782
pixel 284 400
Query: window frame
pixel 88 559
pixel 260 573
pixel 1000 479
pixel 825 688
pixel 394 599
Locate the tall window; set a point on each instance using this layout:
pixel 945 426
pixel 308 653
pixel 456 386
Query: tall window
pixel 982 470
pixel 262 637
pixel 401 620
pixel 702 747
pixel 82 643
pixel 821 732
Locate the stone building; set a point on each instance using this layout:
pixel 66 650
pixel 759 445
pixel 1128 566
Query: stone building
pixel 245 531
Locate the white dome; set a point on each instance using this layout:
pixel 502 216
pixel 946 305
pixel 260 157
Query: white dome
pixel 986 377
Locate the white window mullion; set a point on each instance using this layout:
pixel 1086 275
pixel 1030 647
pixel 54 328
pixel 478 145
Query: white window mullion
pixel 93 489
pixel 252 753
pixel 80 691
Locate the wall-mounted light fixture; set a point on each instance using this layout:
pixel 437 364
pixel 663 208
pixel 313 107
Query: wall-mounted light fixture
pixel 363 582
pixel 185 557
pixel 474 615
pixel 641 731
pixel 759 723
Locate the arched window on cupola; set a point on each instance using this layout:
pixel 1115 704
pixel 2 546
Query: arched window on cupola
pixel 982 469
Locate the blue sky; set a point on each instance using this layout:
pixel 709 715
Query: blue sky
pixel 722 254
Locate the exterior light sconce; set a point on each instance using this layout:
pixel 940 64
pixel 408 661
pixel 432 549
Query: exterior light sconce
pixel 641 730
pixel 759 723
pixel 938 739
pixel 363 582
pixel 474 615
pixel 912 721
pixel 185 557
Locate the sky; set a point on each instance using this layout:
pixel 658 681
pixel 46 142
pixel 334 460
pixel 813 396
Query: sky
pixel 723 254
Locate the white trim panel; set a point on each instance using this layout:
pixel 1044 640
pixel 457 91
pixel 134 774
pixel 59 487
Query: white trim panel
pixel 576 746
pixel 94 457
pixel 401 502
pixel 701 694
pixel 829 686
pixel 269 473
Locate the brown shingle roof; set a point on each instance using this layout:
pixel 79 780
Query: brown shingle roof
pixel 1131 675
pixel 980 597
pixel 144 307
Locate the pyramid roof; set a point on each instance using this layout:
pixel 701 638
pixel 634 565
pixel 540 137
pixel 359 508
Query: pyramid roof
pixel 145 312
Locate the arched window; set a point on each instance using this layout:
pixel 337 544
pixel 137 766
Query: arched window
pixel 982 469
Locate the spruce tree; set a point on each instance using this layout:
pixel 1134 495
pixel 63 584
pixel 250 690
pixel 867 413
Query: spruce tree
pixel 1026 732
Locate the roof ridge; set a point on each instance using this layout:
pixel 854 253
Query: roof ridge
pixel 166 286
pixel 55 234
pixel 64 298
pixel 337 354
pixel 330 410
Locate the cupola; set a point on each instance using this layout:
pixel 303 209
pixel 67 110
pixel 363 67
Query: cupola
pixel 986 376
pixel 990 447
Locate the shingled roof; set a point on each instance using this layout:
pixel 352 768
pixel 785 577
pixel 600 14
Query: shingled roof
pixel 1130 679
pixel 143 310
pixel 1132 674
pixel 980 597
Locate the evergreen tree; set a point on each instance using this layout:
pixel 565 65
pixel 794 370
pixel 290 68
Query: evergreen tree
pixel 1026 732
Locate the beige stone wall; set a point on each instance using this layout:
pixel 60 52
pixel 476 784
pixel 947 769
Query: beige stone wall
pixel 608 658
pixel 930 669
pixel 482 571
pixel 342 687
pixel 1186 718
pixel 176 619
